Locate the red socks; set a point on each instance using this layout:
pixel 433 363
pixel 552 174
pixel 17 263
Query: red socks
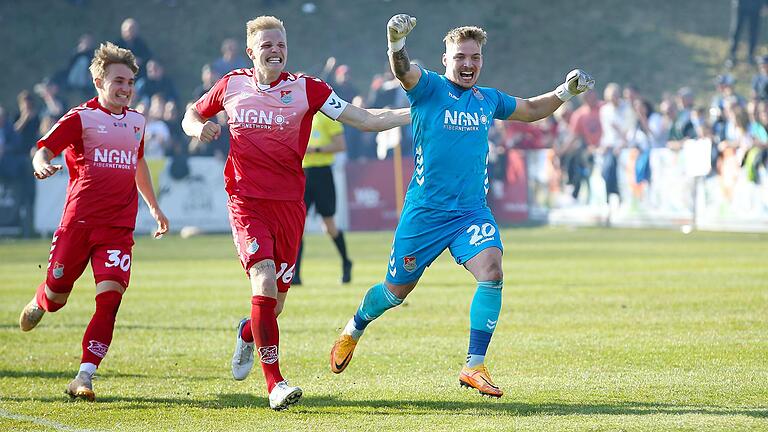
pixel 98 335
pixel 266 336
pixel 44 302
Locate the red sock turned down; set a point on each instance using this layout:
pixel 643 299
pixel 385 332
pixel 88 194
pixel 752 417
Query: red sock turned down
pixel 246 334
pixel 44 302
pixel 266 336
pixel 98 335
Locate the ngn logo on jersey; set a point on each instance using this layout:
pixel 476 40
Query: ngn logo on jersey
pixel 463 121
pixel 114 158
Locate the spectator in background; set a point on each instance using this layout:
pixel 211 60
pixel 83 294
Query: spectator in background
pixel 10 146
pixel 643 137
pixel 586 131
pixel 131 40
pixel 207 79
pixel 77 75
pixel 725 91
pixel 615 121
pixel 157 135
pixel 231 58
pixel 53 104
pixel 760 81
pixel 27 126
pixel 682 128
pixel 156 82
pixel 744 13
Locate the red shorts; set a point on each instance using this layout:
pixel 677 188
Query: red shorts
pixel 268 229
pixel 108 248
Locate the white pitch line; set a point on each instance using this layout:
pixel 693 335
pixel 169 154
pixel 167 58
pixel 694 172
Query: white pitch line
pixel 39 421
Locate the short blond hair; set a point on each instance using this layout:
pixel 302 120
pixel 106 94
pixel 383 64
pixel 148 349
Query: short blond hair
pixel 109 53
pixel 264 22
pixel 466 33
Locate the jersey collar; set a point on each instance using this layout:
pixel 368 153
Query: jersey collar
pixel 282 77
pixel 94 103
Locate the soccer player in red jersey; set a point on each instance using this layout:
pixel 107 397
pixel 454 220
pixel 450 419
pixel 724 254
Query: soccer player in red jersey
pixel 104 143
pixel 270 117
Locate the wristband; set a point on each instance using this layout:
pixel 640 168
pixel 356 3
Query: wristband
pixel 562 93
pixel 396 45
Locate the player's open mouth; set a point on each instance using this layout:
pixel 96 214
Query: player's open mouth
pixel 467 76
pixel 274 60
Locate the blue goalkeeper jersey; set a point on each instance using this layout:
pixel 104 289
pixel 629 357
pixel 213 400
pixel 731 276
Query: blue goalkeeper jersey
pixel 450 141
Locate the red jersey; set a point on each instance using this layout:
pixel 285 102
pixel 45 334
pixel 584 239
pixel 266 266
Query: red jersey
pixel 102 152
pixel 585 123
pixel 269 130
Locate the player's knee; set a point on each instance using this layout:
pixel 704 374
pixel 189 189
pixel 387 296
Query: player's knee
pixel 278 308
pixel 264 286
pixel 494 272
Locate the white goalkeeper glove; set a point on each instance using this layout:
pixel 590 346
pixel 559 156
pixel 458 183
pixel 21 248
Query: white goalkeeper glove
pixel 397 28
pixel 576 82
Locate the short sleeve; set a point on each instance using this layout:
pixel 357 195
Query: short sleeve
pixel 505 107
pixel 318 92
pixel 68 130
pixel 426 85
pixel 212 102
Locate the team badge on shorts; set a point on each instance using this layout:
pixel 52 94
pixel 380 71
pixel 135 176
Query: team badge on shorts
pixel 409 263
pixel 253 247
pixel 268 354
pixel 58 270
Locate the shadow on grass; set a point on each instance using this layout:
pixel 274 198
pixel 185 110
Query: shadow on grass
pixel 320 405
pixel 69 374
pixel 121 326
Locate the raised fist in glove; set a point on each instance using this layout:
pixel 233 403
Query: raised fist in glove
pixel 398 28
pixel 576 82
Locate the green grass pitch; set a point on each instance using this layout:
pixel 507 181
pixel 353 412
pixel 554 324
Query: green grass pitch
pixel 600 330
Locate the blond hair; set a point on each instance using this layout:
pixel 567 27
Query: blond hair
pixel 466 33
pixel 264 22
pixel 109 53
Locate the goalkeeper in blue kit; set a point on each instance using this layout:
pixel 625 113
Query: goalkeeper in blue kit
pixel 445 206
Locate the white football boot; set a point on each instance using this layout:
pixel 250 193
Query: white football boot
pixel 242 359
pixel 283 395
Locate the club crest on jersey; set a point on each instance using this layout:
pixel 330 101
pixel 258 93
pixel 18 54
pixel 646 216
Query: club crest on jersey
pixel 409 263
pixel 137 132
pixel 253 247
pixel 268 354
pixel 286 97
pixel 58 270
pixel 477 93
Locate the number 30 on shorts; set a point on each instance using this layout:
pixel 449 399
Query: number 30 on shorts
pixel 116 260
pixel 481 234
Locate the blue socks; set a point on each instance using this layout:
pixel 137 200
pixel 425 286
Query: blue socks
pixel 376 301
pixel 483 316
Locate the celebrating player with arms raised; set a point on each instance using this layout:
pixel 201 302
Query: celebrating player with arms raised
pixel 104 143
pixel 270 116
pixel 445 205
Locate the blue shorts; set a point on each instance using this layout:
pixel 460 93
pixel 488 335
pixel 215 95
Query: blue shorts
pixel 423 234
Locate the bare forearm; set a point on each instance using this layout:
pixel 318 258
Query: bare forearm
pixel 539 107
pixel 383 119
pixel 400 63
pixel 144 184
pixel 192 123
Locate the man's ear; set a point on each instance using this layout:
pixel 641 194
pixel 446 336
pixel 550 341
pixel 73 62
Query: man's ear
pixel 445 60
pixel 98 83
pixel 250 53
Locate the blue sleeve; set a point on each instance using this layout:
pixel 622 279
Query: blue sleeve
pixel 505 107
pixel 424 87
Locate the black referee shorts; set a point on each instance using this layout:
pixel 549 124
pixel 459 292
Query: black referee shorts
pixel 320 190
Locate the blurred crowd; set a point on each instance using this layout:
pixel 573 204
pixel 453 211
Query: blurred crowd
pixel 589 126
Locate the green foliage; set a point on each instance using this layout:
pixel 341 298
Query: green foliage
pixel 600 330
